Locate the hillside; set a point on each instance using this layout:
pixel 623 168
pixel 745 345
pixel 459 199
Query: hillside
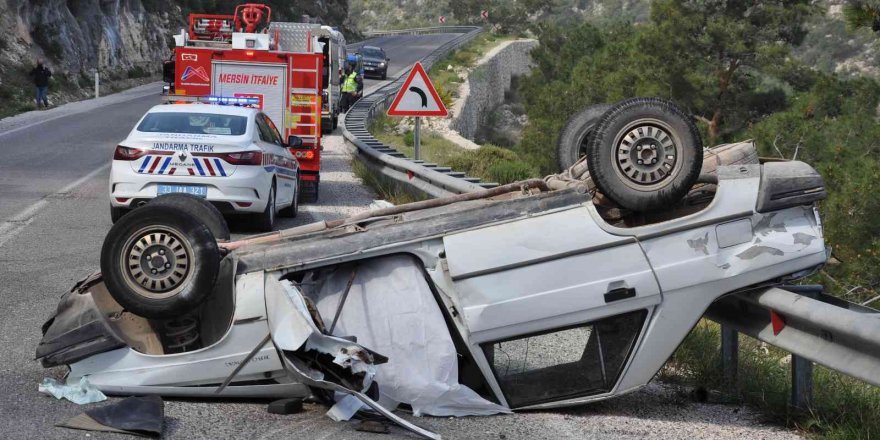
pixel 124 39
pixel 829 45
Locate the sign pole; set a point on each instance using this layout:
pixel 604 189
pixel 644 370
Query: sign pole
pixel 417 138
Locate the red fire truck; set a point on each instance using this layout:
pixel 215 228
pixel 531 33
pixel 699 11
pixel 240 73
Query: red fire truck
pixel 237 56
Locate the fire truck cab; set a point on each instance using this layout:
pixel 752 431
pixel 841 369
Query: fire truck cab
pixel 237 56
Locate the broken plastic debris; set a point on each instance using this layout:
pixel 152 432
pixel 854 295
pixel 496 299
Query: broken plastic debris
pixel 140 416
pixel 80 394
pixel 345 408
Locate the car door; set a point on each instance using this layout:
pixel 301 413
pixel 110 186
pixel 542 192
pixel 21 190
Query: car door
pixel 279 159
pixel 551 305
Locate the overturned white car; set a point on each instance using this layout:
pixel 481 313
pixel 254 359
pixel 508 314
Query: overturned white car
pixel 512 298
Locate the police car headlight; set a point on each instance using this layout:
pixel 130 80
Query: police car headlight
pixel 381 64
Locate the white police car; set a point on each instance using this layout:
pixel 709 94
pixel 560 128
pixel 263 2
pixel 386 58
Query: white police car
pixel 232 156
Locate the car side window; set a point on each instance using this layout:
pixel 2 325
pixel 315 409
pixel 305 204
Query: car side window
pixel 274 131
pixel 265 132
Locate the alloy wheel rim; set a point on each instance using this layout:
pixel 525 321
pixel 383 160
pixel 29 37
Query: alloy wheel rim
pixel 646 154
pixel 157 262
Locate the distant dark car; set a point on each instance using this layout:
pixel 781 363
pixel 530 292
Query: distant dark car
pixel 375 61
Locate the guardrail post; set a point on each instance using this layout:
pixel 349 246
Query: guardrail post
pixel 801 382
pixel 729 355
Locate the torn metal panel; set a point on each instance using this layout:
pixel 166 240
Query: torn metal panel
pixel 391 309
pixel 304 361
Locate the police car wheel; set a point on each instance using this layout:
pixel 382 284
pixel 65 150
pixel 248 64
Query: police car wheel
pixel 645 154
pixel 266 221
pixel 117 213
pixel 292 210
pixel 200 209
pixel 161 263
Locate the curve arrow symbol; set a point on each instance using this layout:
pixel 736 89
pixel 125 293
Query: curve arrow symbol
pixel 421 94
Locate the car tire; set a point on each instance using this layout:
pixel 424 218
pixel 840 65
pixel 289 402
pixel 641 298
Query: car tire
pixel 200 209
pixel 384 75
pixel 117 213
pixel 265 221
pixel 575 139
pixel 293 210
pixel 645 154
pixel 161 263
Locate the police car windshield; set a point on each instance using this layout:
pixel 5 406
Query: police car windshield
pixel 193 123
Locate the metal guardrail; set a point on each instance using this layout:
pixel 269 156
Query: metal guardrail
pixel 812 326
pixel 422 31
pixel 433 179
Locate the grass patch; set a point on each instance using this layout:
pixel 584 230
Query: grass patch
pixel 842 407
pixel 385 187
pixel 490 163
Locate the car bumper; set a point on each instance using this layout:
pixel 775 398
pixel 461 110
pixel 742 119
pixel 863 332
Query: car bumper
pixel 246 191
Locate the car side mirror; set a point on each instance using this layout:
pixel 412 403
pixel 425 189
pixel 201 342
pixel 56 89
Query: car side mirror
pixel 387 59
pixel 294 142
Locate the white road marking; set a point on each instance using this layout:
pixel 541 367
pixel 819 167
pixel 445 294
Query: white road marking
pixel 14 225
pixel 79 107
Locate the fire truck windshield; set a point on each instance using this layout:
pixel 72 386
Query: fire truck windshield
pixel 194 123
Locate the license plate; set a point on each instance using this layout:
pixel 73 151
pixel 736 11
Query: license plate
pixel 196 190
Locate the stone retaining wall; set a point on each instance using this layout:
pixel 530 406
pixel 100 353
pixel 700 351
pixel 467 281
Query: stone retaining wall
pixel 487 82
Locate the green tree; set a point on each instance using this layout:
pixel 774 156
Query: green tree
pixel 862 14
pixel 712 50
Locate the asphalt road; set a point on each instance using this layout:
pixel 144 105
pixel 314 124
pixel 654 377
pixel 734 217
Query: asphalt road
pixel 53 218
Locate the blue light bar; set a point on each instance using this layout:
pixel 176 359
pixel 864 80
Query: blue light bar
pixel 233 100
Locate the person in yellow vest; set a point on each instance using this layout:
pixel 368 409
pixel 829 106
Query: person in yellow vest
pixel 352 87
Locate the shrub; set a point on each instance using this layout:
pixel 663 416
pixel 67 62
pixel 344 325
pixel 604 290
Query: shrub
pixel 510 171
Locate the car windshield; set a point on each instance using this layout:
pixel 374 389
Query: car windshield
pixel 193 123
pixel 373 53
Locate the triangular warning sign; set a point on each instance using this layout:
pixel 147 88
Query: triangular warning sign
pixel 417 97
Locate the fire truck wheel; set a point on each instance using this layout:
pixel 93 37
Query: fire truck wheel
pixel 265 221
pixel 117 213
pixel 645 154
pixel 200 209
pixel 292 210
pixel 160 263
pixel 309 193
pixel 576 135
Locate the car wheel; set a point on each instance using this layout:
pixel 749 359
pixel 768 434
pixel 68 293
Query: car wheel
pixel 265 221
pixel 645 154
pixel 292 210
pixel 117 213
pixel 200 209
pixel 160 263
pixel 384 75
pixel 576 136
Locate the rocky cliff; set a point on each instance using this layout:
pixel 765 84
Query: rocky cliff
pixel 124 39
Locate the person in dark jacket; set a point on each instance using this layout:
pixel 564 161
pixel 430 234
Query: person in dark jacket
pixel 41 76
